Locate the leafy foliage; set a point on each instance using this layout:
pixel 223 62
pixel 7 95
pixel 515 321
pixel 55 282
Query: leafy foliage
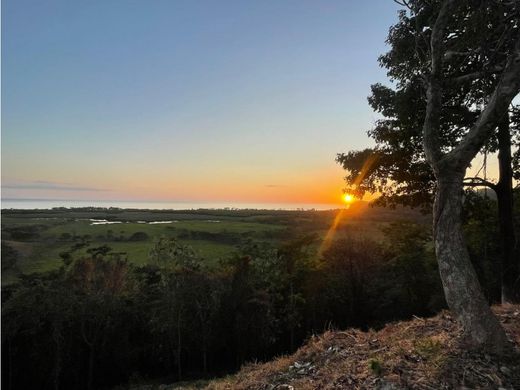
pixel 482 33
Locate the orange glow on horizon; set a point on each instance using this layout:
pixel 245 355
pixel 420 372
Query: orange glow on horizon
pixel 319 186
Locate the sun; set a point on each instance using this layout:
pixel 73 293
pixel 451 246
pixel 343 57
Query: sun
pixel 348 198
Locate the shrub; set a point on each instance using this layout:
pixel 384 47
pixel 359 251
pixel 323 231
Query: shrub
pixel 139 236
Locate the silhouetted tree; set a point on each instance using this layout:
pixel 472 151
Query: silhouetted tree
pixel 453 31
pixel 397 168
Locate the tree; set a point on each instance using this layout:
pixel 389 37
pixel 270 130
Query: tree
pixel 291 268
pixel 397 166
pixel 412 267
pixel 100 285
pixel 456 73
pixel 251 321
pixel 401 175
pixel 348 267
pixel 38 304
pixel 177 262
pixel 9 256
pixel 206 299
pixel 461 287
pixel 482 235
pixel 510 275
pixel 169 253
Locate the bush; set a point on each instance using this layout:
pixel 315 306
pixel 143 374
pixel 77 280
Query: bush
pixel 9 256
pixel 139 236
pixel 21 233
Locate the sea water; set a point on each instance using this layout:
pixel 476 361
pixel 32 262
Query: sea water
pixel 156 205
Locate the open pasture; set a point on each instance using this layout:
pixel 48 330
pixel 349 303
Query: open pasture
pixel 37 239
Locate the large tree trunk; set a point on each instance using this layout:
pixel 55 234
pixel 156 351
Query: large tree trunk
pixel 510 267
pixel 461 287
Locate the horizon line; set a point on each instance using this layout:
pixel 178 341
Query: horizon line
pixel 160 201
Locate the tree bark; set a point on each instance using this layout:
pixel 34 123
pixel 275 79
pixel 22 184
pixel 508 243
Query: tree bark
pixel 461 286
pixel 510 267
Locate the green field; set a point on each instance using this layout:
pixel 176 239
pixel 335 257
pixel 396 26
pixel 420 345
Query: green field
pixel 36 238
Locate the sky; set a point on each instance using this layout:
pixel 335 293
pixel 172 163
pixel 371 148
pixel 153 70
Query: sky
pixel 198 100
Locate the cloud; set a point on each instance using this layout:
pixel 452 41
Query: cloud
pixel 49 185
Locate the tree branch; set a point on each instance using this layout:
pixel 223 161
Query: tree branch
pixel 479 182
pixel 474 75
pixel 403 3
pixel 450 54
pixel 507 88
pixel 431 124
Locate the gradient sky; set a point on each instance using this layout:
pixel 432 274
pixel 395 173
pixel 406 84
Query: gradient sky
pixel 217 100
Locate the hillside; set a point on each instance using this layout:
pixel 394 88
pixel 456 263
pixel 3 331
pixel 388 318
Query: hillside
pixel 416 354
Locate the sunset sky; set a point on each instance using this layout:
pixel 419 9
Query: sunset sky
pixel 244 101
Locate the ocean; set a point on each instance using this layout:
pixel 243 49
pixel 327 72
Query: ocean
pixel 157 205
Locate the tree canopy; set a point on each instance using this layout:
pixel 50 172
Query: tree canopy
pixel 480 37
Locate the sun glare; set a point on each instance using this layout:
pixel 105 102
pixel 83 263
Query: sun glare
pixel 347 198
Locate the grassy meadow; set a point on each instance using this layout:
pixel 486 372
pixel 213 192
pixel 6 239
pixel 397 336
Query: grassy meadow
pixel 34 239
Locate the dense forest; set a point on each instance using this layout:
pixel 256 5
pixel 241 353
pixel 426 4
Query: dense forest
pixel 101 321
